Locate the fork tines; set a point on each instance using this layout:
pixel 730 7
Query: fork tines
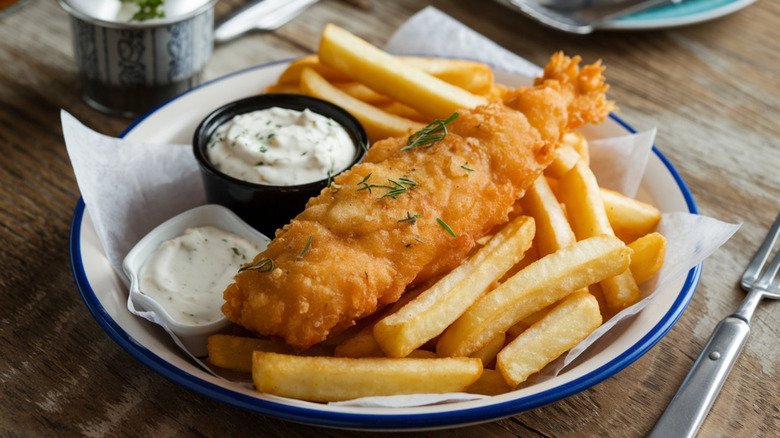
pixel 751 276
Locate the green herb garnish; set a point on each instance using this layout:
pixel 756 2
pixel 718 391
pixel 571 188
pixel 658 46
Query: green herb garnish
pixel 466 167
pixel 365 185
pixel 429 135
pixel 148 9
pixel 399 188
pixel 412 218
pixel 394 190
pixel 446 227
pixel 305 248
pixel 264 265
pixel 330 177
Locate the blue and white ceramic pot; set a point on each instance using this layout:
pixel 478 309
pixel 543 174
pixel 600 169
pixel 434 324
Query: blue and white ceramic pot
pixel 129 67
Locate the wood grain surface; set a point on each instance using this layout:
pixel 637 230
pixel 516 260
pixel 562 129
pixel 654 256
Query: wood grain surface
pixel 711 89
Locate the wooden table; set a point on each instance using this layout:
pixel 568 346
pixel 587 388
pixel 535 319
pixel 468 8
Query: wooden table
pixel 712 89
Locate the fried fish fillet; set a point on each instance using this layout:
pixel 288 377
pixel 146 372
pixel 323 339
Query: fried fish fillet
pixel 402 216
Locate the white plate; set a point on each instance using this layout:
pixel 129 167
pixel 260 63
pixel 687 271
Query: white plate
pixel 175 122
pixel 680 14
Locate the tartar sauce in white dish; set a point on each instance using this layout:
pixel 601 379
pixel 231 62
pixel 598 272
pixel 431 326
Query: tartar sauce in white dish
pixel 192 334
pixel 188 274
pixel 281 147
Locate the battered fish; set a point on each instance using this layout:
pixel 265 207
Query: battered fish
pixel 405 214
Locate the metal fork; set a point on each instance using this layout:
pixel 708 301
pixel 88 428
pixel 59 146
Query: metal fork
pixel 693 400
pixel 260 15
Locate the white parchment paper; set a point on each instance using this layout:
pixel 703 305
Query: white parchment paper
pixel 131 187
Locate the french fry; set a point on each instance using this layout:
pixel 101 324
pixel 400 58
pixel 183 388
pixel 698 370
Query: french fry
pixel 283 88
pixel 491 382
pixel 516 330
pixel 487 354
pixel 379 124
pixel 235 352
pixel 648 257
pixel 579 191
pixel 528 321
pixel 530 256
pixel 475 77
pixel 553 183
pixel 361 92
pixel 553 231
pixel 565 158
pixel 326 379
pixel 579 143
pixel 573 146
pixel 595 290
pixel 361 344
pixel 292 74
pixel 629 218
pixel 565 326
pixel 432 311
pixel 542 283
pixel 423 354
pixel 402 110
pixel 391 76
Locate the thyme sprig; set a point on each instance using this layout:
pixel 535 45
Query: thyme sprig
pixel 446 227
pixel 466 167
pixel 394 190
pixel 305 248
pixel 429 135
pixel 264 265
pixel 399 188
pixel 330 177
pixel 364 184
pixel 411 218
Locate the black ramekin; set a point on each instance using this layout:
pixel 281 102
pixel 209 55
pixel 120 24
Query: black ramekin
pixel 267 207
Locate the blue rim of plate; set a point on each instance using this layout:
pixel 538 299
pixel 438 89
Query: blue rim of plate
pixel 678 14
pixel 343 420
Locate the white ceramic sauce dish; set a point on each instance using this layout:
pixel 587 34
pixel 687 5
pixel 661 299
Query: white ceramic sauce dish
pixel 192 336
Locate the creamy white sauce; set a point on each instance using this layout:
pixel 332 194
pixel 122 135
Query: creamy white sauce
pixel 278 146
pixel 118 11
pixel 188 274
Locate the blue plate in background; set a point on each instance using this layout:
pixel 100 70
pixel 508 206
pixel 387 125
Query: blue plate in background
pixel 680 14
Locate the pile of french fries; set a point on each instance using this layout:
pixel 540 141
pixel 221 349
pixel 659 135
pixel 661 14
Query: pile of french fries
pixel 573 256
pixel 390 95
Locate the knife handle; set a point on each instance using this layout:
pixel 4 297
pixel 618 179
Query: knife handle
pixel 689 407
